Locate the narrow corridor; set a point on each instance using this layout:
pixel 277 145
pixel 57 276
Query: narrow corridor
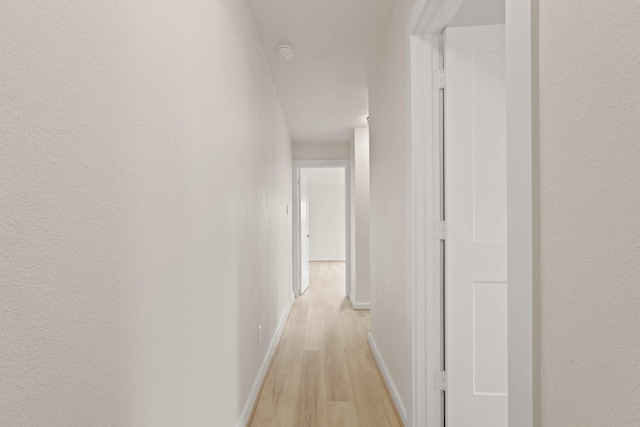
pixel 323 373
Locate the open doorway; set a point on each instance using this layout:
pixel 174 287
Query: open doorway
pixel 322 226
pixel 472 304
pixel 321 240
pixel 473 216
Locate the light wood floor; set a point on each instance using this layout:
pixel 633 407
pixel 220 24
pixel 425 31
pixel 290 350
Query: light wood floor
pixel 323 373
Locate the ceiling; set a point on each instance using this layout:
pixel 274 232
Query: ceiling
pixel 323 89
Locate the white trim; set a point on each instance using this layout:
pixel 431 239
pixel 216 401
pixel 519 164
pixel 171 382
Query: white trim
pixel 423 271
pixel 321 163
pixel 386 376
pixel 360 305
pixel 428 19
pixel 432 16
pixel 264 368
pixel 522 202
pixel 297 165
pixel 295 235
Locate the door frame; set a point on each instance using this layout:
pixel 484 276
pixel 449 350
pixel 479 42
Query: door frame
pixel 427 20
pixel 311 164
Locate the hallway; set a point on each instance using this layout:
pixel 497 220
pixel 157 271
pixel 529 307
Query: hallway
pixel 323 373
pixel 150 233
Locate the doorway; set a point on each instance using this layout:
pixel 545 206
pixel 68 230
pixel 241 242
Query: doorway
pixel 321 221
pixel 459 227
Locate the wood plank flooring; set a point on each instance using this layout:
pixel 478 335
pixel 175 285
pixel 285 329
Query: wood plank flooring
pixel 323 373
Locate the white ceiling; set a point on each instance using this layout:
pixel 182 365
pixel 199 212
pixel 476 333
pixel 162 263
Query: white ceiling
pixel 323 89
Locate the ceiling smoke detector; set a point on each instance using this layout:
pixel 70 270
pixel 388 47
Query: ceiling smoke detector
pixel 286 52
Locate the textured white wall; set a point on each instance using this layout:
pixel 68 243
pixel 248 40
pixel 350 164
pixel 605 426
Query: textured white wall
pixel 328 151
pixel 360 241
pixel 144 172
pixel 388 136
pixel 326 214
pixel 589 204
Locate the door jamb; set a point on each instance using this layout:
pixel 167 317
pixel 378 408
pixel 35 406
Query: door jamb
pixel 309 164
pixel 428 19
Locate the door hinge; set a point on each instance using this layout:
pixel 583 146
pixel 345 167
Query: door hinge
pixel 438 79
pixel 440 381
pixel 440 230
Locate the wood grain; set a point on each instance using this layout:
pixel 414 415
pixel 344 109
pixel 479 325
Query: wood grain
pixel 323 373
pixel 341 414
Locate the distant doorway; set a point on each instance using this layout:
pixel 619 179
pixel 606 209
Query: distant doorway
pixel 321 219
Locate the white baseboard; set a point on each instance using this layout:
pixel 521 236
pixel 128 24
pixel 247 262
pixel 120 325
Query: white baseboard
pixel 387 379
pixel 266 363
pixel 359 305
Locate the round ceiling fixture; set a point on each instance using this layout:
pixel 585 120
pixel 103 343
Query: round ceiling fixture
pixel 286 52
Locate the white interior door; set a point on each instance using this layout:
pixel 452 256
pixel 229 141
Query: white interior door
pixel 304 231
pixel 476 215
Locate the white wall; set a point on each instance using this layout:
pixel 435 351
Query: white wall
pixel 145 168
pixel 479 12
pixel 388 136
pixel 589 204
pixel 326 214
pixel 328 151
pixel 360 241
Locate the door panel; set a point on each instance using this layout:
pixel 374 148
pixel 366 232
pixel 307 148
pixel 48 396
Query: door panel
pixel 304 231
pixel 476 250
